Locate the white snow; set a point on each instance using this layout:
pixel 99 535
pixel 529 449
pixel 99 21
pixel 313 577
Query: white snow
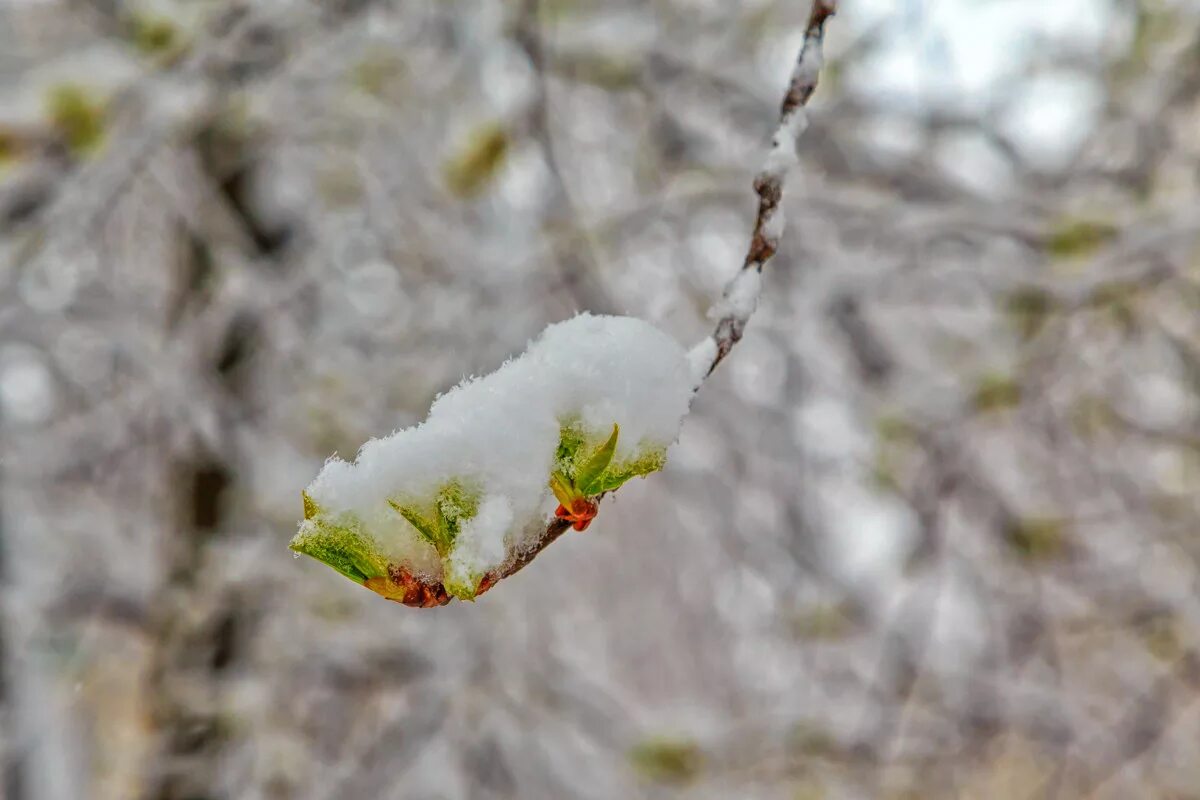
pixel 810 66
pixel 498 435
pixel 782 155
pixel 480 544
pixel 773 227
pixel 701 358
pixel 741 296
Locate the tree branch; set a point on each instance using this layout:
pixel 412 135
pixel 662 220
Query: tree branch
pixel 740 296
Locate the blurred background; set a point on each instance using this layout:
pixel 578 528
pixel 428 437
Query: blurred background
pixel 930 532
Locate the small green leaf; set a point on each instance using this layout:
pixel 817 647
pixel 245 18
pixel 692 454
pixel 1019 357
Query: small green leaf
pixel 594 467
pixel 463 587
pixel 440 521
pixel 430 531
pixel 562 489
pixel 651 459
pixel 455 505
pixel 570 443
pixel 341 546
pixel 311 509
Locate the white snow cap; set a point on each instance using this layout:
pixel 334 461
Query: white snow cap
pixel 499 436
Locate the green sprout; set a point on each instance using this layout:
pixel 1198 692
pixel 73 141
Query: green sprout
pixel 585 471
pixel 585 467
pixel 439 522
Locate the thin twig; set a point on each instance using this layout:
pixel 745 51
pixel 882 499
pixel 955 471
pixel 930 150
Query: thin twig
pixel 740 297
pixel 556 528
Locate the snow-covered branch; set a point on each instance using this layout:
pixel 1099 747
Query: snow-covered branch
pixel 740 296
pixel 741 293
pixel 452 506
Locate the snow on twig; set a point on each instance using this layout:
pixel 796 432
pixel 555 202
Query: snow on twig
pixel 741 293
pixel 740 297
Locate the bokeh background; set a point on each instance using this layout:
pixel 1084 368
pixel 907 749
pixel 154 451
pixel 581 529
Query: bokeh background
pixel 930 532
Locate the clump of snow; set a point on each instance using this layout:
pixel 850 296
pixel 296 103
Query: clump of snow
pixel 782 155
pixel 480 544
pixel 741 296
pixel 464 492
pixel 701 358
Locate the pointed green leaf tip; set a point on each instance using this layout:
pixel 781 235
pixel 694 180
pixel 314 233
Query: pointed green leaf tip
pixel 570 443
pixel 456 504
pixel 439 522
pixel 342 547
pixel 311 509
pixel 431 531
pixel 465 587
pixel 594 467
pixel 650 459
pixel 563 491
pixel 598 473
